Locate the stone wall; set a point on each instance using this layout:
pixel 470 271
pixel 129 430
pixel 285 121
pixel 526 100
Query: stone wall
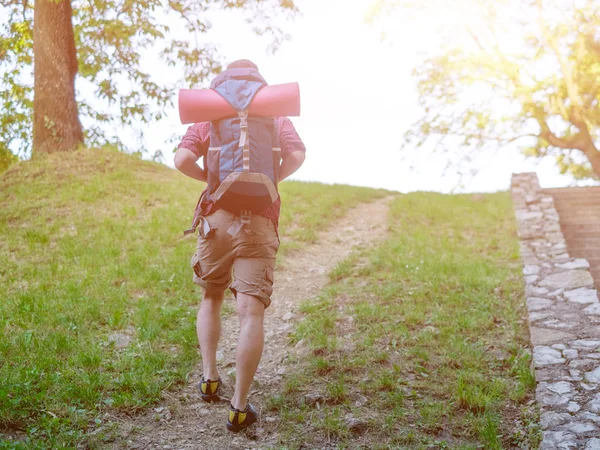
pixel 564 314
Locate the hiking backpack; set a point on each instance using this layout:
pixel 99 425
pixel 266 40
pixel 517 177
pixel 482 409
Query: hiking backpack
pixel 244 154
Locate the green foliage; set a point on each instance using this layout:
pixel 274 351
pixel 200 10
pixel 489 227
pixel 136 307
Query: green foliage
pixel 426 332
pixel 111 38
pixel 528 76
pixel 6 159
pixel 92 247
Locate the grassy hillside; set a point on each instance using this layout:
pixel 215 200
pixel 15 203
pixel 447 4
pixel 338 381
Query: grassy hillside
pixel 420 343
pixel 92 252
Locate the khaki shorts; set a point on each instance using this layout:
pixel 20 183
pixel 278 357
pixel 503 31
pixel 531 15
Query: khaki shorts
pixel 251 254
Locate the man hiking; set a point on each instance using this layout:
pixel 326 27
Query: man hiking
pixel 237 218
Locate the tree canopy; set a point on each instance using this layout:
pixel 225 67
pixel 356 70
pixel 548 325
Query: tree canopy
pixel 528 76
pixel 110 39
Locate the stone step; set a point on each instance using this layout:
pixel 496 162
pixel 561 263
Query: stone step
pixel 573 193
pixel 584 243
pixel 578 228
pixel 578 210
pixel 585 198
pixel 588 200
pixel 569 190
pixel 580 234
pixel 587 219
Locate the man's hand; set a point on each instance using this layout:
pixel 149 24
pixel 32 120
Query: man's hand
pixel 185 162
pixel 290 164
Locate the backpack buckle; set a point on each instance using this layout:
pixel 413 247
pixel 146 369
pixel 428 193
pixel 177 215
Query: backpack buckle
pixel 246 216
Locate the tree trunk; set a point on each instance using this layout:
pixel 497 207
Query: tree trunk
pixel 56 125
pixel 593 156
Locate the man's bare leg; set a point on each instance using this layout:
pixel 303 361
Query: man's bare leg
pixel 208 327
pixel 251 313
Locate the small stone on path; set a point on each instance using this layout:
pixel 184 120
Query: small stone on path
pixel 120 340
pixel 288 316
pixel 313 399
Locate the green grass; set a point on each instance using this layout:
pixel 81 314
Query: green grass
pixel 92 245
pixel 429 329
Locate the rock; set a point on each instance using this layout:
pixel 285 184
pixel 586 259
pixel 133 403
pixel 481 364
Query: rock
pixel 551 419
pixel 220 356
pixel 537 303
pixel 530 200
pixel 550 398
pixel 530 279
pixel 570 353
pixel 592 310
pixel 300 344
pixel 529 215
pixel 281 371
pixel 269 334
pixel 162 413
pixel 559 346
pixel 536 290
pixel 573 407
pixel 569 279
pixel 545 356
pixel 579 263
pixel 539 315
pixel 575 375
pixel 313 398
pixel 552 373
pixel 288 316
pixel 582 295
pixel 558 437
pixel 531 270
pixel 120 340
pixel 583 363
pixel 581 428
pixel 592 444
pixel 557 324
pixel 561 387
pixel 318 270
pixel 585 344
pixel 593 376
pixel 594 404
pixel 270 419
pixel 589 416
pixel 359 400
pixel 588 387
pixel 355 425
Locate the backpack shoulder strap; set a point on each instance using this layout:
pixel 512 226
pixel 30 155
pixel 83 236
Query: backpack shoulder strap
pixel 244 141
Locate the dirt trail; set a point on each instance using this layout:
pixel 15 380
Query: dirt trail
pixel 184 421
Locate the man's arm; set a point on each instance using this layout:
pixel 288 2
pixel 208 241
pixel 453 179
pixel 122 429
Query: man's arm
pixel 290 164
pixel 185 162
pixel 292 149
pixel 193 146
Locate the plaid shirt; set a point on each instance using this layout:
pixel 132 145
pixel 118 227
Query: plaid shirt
pixel 197 140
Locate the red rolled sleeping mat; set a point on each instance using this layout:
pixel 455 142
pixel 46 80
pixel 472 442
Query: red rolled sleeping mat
pixel 201 105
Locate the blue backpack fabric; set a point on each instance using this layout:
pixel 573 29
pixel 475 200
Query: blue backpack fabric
pixel 244 155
